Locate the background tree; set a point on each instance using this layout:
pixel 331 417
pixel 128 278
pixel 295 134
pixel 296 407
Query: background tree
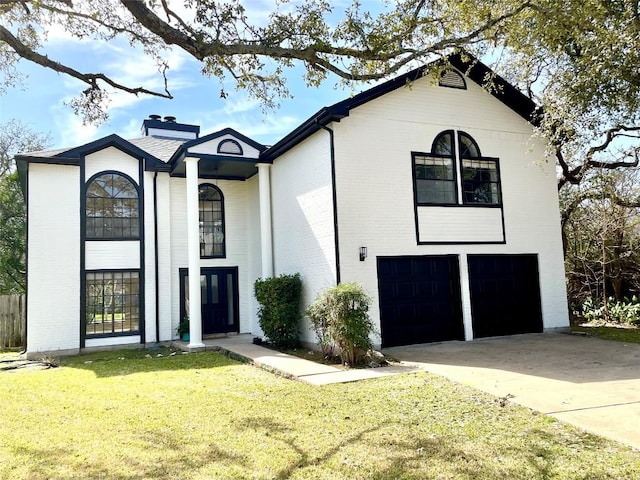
pixel 255 51
pixel 601 227
pixel 15 137
pixel 577 58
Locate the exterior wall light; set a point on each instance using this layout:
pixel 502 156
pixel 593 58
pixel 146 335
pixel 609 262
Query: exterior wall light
pixel 363 253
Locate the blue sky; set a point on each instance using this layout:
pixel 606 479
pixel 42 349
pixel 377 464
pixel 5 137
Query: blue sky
pixel 39 101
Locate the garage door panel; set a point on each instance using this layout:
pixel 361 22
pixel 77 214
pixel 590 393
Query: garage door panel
pixel 505 295
pixel 419 299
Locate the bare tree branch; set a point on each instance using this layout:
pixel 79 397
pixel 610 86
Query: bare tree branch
pixel 576 174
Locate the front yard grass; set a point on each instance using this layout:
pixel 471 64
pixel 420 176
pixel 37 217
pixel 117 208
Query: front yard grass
pixel 627 333
pixel 122 415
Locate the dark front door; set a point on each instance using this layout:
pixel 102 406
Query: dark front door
pixel 419 299
pixel 218 298
pixel 505 295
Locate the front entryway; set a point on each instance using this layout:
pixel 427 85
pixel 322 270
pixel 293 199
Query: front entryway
pixel 219 299
pixel 419 299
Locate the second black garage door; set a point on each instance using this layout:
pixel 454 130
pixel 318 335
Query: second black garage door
pixel 505 295
pixel 419 299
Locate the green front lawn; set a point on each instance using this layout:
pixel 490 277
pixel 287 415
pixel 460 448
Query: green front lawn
pixel 204 416
pixel 628 334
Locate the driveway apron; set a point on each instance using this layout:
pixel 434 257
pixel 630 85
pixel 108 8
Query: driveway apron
pixel 590 383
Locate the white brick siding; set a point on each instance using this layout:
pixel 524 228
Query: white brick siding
pixel 111 158
pixel 375 186
pixel 302 211
pixel 112 254
pixel 53 302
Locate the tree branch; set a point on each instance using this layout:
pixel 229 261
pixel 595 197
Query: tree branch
pixel 91 79
pixel 576 174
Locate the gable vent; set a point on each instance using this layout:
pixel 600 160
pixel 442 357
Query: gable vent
pixel 452 79
pixel 230 146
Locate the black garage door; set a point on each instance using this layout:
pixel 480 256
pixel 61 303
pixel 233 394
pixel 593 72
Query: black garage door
pixel 419 299
pixel 505 295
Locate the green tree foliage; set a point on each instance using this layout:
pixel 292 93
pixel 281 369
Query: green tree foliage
pixel 252 46
pixel 578 58
pixel 340 317
pixel 15 137
pixel 279 312
pixel 12 236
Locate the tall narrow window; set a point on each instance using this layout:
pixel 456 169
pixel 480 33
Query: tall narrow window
pixel 480 180
pixel 211 222
pixel 112 303
pixel 435 173
pixel 112 208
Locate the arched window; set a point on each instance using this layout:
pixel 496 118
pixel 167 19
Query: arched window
pixel 468 146
pixel 112 208
pixel 443 144
pixel 230 146
pixel 211 206
pixel 436 173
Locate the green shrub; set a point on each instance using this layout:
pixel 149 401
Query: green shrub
pixel 279 312
pixel 340 316
pixel 625 311
pixel 318 313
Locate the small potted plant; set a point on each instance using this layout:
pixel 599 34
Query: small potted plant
pixel 183 329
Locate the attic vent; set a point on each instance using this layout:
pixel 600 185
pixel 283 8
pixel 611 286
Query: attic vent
pixel 452 79
pixel 230 146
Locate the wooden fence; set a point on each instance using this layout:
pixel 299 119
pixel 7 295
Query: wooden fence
pixel 13 319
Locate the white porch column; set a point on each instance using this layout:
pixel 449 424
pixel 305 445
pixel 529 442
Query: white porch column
pixel 266 242
pixel 193 249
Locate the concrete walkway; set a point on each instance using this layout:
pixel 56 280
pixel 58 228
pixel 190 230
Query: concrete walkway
pixel 591 383
pixel 289 366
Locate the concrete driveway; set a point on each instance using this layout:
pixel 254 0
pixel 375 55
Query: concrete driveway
pixel 591 383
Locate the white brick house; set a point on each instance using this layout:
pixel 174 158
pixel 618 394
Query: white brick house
pixel 434 195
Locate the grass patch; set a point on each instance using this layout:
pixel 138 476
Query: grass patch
pixel 123 415
pixel 628 334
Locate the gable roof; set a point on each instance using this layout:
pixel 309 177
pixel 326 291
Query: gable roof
pixel 472 68
pixel 180 153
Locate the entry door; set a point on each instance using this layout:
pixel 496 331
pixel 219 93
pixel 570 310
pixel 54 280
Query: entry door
pixel 218 298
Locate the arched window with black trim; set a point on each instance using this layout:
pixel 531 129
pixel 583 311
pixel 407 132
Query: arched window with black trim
pixel 436 173
pixel 112 208
pixel 480 177
pixel 211 214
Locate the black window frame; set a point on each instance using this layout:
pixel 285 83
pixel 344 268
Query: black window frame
pixel 419 178
pixel 478 185
pixel 133 307
pixel 116 223
pixel 222 252
pixel 458 158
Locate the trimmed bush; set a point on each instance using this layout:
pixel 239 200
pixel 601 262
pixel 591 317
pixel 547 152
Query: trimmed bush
pixel 279 312
pixel 340 316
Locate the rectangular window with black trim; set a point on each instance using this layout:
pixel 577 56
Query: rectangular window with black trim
pixel 480 182
pixel 435 179
pixel 112 303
